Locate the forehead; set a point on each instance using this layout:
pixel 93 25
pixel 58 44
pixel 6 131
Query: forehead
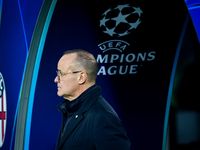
pixel 65 61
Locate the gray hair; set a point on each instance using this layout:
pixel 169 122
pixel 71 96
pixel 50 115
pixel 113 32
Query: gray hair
pixel 85 61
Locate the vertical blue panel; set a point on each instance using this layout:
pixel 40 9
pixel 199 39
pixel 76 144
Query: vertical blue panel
pixel 13 57
pixel 14 51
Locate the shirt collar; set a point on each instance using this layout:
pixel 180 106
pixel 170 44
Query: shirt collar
pixel 72 106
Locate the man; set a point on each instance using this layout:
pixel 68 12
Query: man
pixel 89 122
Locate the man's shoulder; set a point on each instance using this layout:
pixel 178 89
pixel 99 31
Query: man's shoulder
pixel 101 106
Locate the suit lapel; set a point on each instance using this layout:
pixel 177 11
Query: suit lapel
pixel 75 120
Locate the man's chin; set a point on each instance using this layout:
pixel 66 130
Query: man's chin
pixel 59 94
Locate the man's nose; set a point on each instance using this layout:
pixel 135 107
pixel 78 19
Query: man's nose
pixel 56 79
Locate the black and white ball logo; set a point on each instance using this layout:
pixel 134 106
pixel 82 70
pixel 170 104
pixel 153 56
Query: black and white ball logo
pixel 121 20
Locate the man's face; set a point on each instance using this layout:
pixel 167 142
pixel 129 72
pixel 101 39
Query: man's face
pixel 68 83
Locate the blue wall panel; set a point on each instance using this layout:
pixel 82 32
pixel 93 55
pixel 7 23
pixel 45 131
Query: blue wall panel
pixel 14 44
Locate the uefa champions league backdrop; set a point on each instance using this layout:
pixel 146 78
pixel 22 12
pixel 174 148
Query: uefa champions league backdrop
pixel 136 43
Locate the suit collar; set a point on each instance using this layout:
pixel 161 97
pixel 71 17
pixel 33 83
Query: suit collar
pixel 72 106
pixel 88 98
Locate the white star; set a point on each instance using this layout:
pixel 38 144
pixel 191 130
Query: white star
pixel 105 13
pixel 120 7
pixel 135 24
pixel 138 11
pixel 120 18
pixel 103 21
pixel 110 31
pixel 122 34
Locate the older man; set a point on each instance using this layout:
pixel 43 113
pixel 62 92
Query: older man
pixel 89 122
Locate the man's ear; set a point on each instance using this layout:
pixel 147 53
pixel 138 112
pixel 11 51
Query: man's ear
pixel 82 77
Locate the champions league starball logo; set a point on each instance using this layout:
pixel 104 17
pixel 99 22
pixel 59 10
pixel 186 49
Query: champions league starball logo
pixel 2 110
pixel 118 22
pixel 121 20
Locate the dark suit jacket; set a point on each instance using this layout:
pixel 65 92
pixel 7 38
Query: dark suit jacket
pixel 95 126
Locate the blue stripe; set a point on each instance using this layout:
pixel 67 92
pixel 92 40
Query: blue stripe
pixel 35 75
pixel 172 82
pixel 193 7
pixel 17 107
pixel 25 38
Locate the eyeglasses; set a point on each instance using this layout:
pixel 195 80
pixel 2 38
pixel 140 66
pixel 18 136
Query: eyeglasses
pixel 59 73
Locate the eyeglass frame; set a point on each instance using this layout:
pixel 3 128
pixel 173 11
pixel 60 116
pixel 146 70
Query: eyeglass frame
pixel 59 73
